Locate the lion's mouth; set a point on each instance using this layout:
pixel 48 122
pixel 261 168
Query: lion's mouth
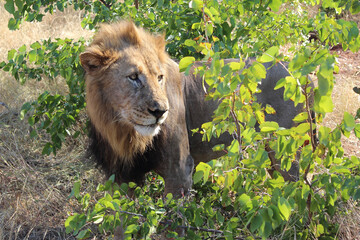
pixel 147 130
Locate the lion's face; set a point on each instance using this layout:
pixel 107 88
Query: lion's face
pixel 136 91
pixel 130 77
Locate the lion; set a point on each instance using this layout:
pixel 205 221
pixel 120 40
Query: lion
pixel 142 109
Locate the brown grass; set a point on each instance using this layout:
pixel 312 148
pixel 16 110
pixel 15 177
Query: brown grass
pixel 34 188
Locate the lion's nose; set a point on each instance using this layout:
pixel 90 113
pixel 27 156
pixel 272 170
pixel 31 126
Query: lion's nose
pixel 157 113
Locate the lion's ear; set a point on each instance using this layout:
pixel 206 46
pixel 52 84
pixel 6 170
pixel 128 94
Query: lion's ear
pixel 93 61
pixel 131 34
pixel 90 61
pixel 160 42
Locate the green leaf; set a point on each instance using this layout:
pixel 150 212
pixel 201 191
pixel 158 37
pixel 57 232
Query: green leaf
pixel 33 133
pixel 11 54
pixel 198 176
pixel 98 219
pixel 297 62
pixel 19 4
pixel 319 230
pixel 9 6
pixel 285 208
pixel 245 201
pixel 236 66
pixel 256 223
pixel 269 55
pixel 324 135
pixel 32 56
pixel 301 117
pixel 258 70
pixel 349 122
pixel 325 85
pixel 355 7
pixel 357 130
pixel 269 127
pixel 48 149
pixel 75 190
pixel 133 228
pixel 280 83
pixel 190 43
pixel 83 234
pixel 357 194
pixel 290 87
pixel 13 24
pixel 185 63
pixel 197 4
pixel 323 104
pixel 203 168
pixel 275 5
pixel 198 220
pixel 302 128
pixel 339 169
pixel 209 29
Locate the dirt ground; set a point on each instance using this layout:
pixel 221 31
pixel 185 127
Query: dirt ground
pixel 35 188
pixel 344 98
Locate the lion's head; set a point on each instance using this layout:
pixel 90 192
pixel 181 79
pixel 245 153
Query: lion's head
pixel 125 86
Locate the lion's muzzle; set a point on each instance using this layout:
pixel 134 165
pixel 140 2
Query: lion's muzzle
pixel 156 115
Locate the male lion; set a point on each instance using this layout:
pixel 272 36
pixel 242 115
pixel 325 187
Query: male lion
pixel 142 109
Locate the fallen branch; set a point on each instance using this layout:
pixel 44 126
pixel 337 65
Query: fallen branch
pixel 3 104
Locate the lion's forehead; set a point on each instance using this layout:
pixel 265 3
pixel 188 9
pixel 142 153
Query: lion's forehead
pixel 143 60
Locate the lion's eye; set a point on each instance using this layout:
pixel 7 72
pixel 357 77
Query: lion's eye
pixel 160 78
pixel 134 79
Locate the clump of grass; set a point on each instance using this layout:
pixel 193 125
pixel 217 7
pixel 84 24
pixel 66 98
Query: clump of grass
pixel 35 188
pixel 348 219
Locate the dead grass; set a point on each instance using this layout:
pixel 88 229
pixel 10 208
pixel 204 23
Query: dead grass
pixel 34 188
pixel 344 98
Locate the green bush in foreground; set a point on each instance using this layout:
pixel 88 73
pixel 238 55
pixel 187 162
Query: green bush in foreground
pixel 233 196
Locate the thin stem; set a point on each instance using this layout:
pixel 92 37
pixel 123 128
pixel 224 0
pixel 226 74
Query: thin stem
pixel 105 4
pixel 238 128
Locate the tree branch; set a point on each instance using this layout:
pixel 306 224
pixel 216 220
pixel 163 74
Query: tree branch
pixel 105 4
pixel 238 128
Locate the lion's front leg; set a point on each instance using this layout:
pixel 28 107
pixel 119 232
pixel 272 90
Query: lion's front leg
pixel 176 164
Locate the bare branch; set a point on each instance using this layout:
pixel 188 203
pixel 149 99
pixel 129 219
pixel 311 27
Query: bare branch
pixel 105 4
pixel 238 128
pixel 4 104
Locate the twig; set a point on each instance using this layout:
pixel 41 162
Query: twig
pixel 238 128
pixel 133 214
pixel 105 4
pixel 136 4
pixel 200 229
pixel 4 104
pixel 205 22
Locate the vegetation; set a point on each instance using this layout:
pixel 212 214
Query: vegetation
pixel 233 197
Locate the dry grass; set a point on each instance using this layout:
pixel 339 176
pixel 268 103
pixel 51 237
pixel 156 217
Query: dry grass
pixel 34 188
pixel 344 98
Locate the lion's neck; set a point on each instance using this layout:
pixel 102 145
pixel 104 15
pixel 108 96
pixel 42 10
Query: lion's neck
pixel 126 142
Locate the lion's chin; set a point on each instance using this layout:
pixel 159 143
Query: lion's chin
pixel 150 130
